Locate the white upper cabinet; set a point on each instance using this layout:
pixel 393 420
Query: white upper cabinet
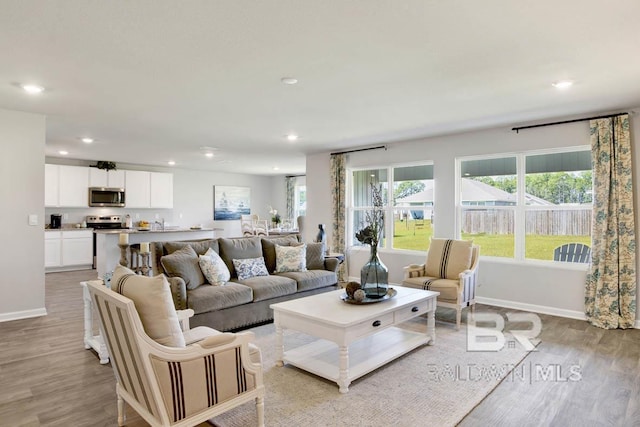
pixel 103 178
pixel 51 185
pixel 161 190
pixel 138 189
pixel 74 185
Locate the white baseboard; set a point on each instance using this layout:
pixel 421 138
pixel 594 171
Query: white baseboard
pixel 542 309
pixel 26 314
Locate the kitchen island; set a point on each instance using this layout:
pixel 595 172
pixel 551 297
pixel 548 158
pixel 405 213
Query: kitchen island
pixel 108 251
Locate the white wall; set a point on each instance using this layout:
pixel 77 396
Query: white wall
pixel 319 197
pixel 536 286
pixel 22 138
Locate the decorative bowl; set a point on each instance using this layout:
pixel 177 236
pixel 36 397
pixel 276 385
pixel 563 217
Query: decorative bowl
pixel 390 294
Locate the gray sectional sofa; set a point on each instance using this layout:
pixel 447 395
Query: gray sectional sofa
pixel 244 303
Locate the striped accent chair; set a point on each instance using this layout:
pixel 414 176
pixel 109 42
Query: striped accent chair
pixel 171 386
pixel 451 268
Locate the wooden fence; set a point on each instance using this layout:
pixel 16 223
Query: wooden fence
pixel 545 222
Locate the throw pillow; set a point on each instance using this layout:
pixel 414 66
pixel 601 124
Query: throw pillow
pixel 213 268
pixel 250 267
pixel 315 256
pixel 448 258
pixel 184 263
pixel 154 304
pixel 291 258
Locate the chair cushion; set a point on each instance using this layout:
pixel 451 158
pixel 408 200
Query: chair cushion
pixel 247 268
pixel 213 268
pixel 210 298
pixel 448 258
pixel 291 258
pixel 448 288
pixel 184 263
pixel 269 249
pixel 315 256
pixel 154 304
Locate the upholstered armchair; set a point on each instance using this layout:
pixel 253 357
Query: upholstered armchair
pixel 174 383
pixel 451 268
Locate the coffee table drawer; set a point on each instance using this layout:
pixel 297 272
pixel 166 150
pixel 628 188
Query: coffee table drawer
pixel 417 309
pixel 373 325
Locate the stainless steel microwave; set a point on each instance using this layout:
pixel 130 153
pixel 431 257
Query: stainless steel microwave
pixel 106 197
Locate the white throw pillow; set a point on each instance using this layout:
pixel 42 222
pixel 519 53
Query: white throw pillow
pixel 291 258
pixel 154 304
pixel 214 268
pixel 247 268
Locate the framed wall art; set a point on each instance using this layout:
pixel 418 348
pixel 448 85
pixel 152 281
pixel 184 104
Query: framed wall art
pixel 230 203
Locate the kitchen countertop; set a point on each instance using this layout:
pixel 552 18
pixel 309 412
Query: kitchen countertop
pixel 69 228
pixel 166 230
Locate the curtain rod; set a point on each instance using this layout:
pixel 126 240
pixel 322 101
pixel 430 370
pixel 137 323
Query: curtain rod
pixel 294 176
pixel 608 116
pixel 359 149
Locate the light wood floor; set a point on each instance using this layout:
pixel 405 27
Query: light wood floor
pixel 47 378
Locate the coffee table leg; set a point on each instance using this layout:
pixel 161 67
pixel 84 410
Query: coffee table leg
pixel 343 378
pixel 279 344
pixel 431 326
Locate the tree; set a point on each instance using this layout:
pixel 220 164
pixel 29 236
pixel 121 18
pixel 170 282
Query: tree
pixel 407 188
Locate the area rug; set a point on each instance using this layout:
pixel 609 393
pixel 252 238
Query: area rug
pixel 434 385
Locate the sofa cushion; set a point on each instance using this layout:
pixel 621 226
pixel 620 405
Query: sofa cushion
pixel 312 279
pixel 231 249
pixel 448 258
pixel 315 256
pixel 210 298
pixel 250 267
pixel 448 288
pixel 154 304
pixel 184 263
pixel 213 268
pixel 291 258
pixel 267 287
pixel 200 247
pixel 269 249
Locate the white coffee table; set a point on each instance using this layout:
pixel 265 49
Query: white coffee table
pixel 353 339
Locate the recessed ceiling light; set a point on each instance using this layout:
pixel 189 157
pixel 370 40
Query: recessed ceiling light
pixel 275 168
pixel 563 84
pixel 32 89
pixel 209 154
pixel 171 163
pixel 289 80
pixel 87 140
pixel 64 153
pixel 292 137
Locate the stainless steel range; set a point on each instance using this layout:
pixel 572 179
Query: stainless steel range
pixel 109 222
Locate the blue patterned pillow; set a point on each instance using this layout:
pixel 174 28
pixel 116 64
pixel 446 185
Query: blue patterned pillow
pixel 250 267
pixel 291 258
pixel 214 268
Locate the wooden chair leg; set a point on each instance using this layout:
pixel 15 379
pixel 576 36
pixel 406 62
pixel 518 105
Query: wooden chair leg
pixel 122 416
pixel 260 410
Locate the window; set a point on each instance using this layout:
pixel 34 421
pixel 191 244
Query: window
pixel 300 206
pixel 525 205
pixel 409 205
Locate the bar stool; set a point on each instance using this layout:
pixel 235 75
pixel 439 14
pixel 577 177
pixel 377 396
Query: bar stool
pixel 136 265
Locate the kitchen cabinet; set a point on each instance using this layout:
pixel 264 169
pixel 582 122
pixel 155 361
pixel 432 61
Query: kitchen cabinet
pixel 108 179
pixel 68 248
pixel 52 249
pixel 66 186
pixel 51 185
pixel 149 189
pixel 161 190
pixel 138 189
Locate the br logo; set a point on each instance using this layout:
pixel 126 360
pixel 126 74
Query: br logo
pixel 485 331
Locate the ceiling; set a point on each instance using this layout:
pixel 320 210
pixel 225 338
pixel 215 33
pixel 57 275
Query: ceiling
pixel 157 80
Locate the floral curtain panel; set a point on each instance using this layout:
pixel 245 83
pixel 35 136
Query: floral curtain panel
pixel 338 191
pixel 610 295
pixel 290 183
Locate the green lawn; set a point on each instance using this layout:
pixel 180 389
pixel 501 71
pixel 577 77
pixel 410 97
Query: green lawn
pixel 412 236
